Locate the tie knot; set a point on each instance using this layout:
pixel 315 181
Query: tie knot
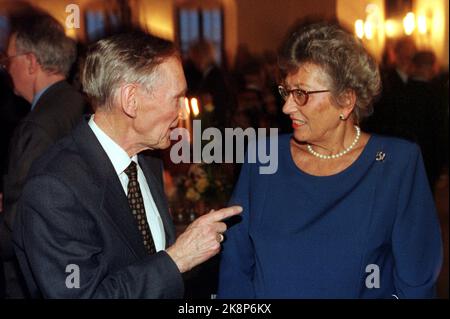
pixel 131 171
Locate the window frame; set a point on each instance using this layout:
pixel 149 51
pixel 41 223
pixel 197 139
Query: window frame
pixel 200 10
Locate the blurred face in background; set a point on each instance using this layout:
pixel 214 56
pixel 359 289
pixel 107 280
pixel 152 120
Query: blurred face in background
pixel 404 52
pixel 20 69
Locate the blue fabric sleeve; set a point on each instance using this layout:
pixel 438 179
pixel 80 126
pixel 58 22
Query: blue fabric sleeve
pixel 416 237
pixel 237 258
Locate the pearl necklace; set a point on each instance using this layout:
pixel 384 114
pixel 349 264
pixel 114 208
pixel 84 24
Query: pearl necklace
pixel 348 149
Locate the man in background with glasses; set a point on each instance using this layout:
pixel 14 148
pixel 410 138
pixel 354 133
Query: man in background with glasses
pixel 38 58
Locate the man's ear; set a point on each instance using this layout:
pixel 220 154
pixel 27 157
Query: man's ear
pixel 129 99
pixel 33 64
pixel 347 102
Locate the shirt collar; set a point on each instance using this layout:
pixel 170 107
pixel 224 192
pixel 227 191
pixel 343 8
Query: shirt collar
pixel 116 154
pixel 38 96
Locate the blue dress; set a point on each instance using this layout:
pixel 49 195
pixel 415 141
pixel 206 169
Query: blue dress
pixel 370 231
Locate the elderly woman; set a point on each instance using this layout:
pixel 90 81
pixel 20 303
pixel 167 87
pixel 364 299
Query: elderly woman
pixel 348 214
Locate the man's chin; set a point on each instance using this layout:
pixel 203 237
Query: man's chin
pixel 165 143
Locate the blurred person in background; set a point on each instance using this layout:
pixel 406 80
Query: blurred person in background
pixel 404 51
pixel 210 83
pixel 389 109
pixel 423 119
pixel 39 57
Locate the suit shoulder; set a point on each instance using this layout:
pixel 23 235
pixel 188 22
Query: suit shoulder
pixel 28 126
pixel 62 99
pixel 58 111
pixel 62 160
pixel 72 96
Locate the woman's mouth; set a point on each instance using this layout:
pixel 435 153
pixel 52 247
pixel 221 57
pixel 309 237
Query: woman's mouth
pixel 297 123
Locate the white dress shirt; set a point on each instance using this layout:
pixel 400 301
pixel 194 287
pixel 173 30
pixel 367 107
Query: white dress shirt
pixel 120 160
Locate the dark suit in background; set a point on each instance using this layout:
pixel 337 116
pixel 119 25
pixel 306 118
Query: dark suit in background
pixel 74 211
pixel 413 111
pixel 388 109
pixel 56 113
pixel 12 109
pixel 423 122
pixel 215 83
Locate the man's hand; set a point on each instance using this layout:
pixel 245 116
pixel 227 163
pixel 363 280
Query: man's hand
pixel 202 239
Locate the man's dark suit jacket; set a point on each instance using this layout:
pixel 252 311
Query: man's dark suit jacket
pixel 74 212
pixel 56 113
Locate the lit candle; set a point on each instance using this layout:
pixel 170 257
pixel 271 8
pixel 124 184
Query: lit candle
pixel 187 117
pixel 409 23
pixel 194 105
pixel 422 24
pixel 359 28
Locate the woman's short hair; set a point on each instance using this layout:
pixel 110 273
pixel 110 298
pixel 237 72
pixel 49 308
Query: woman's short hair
pixel 130 57
pixel 341 55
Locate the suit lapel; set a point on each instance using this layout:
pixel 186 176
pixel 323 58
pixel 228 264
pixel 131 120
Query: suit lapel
pixel 113 201
pixel 152 168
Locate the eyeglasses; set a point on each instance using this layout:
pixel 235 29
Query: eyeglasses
pixel 6 60
pixel 300 96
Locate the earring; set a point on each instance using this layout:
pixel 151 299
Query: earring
pixel 341 117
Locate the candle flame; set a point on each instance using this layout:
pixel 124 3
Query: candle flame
pixel 359 28
pixel 422 24
pixel 409 23
pixel 186 105
pixel 194 105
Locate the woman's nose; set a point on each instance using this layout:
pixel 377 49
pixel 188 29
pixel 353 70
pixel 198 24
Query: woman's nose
pixel 289 105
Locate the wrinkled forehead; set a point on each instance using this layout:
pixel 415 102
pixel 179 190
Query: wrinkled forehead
pixel 170 75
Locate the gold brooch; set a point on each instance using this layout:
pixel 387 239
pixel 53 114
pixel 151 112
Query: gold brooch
pixel 380 156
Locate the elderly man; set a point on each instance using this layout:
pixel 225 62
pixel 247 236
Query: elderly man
pixel 39 58
pixel 93 220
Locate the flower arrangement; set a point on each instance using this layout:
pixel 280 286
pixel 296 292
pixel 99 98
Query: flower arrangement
pixel 204 187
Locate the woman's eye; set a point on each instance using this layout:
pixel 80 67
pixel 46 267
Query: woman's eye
pixel 298 93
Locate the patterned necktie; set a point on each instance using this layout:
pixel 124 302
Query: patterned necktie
pixel 136 203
